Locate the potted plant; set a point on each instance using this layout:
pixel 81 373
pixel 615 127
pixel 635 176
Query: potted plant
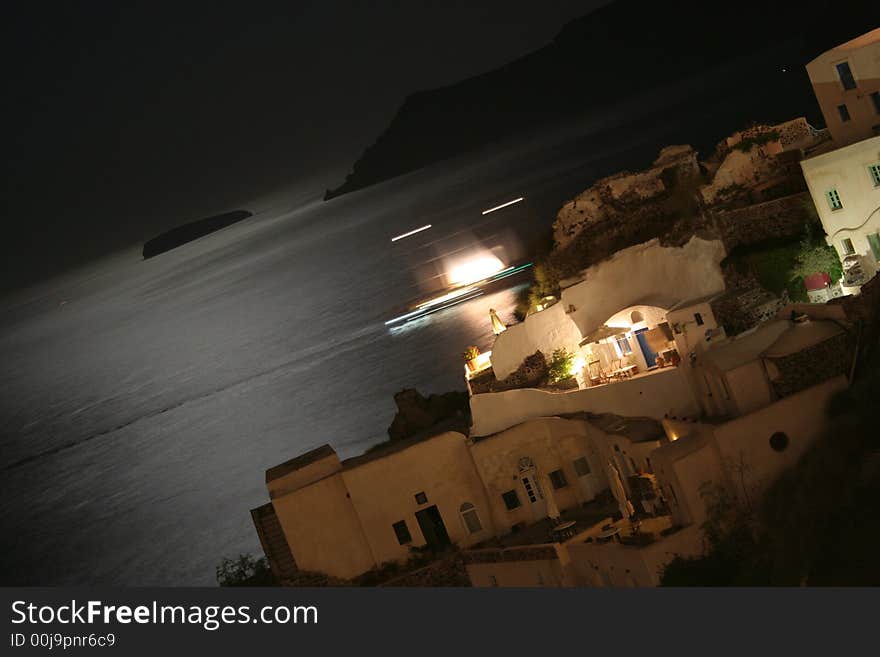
pixel 470 355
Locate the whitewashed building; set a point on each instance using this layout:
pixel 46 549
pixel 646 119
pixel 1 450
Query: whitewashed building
pixel 845 187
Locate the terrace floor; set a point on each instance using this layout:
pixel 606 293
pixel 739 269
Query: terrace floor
pixel 638 375
pixel 592 519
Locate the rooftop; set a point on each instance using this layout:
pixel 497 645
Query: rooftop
pixel 861 41
pixel 636 429
pixel 381 450
pixel 802 335
pixel 746 347
pixel 299 462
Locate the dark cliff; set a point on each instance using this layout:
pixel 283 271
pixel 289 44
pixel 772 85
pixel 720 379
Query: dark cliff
pixel 617 52
pixel 180 235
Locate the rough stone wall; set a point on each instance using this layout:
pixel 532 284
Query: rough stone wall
pixel 744 307
pixel 619 196
pixel 532 373
pixel 783 217
pixel 741 170
pixel 796 133
pixel 630 202
pixel 812 366
pixel 500 555
pixel 445 572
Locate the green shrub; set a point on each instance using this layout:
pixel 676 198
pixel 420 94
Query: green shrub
pixel 560 365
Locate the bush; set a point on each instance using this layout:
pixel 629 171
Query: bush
pixel 246 570
pixel 760 139
pixel 560 365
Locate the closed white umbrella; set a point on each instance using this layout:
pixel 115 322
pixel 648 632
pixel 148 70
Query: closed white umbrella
pixel 498 326
pixel 550 498
pixel 626 508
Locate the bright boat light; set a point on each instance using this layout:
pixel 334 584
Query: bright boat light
pixel 447 297
pixel 475 269
pixel 412 232
pixel 503 205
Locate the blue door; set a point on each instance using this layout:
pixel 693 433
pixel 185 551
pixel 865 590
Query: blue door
pixel 650 354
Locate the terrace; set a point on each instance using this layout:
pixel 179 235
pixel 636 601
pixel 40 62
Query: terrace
pixel 597 521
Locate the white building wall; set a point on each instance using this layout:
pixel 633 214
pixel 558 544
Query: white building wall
pixel 646 274
pixel 661 393
pixel 846 170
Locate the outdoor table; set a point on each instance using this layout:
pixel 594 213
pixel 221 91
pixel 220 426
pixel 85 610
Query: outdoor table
pixel 565 530
pixel 609 533
pixel 625 371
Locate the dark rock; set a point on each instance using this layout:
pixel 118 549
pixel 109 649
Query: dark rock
pixel 416 413
pixel 192 231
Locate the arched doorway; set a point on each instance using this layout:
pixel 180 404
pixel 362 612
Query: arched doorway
pixel 636 336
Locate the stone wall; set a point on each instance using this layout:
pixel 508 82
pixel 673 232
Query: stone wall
pixel 812 366
pixel 783 217
pixel 501 555
pixel 532 373
pixel 623 197
pixel 444 572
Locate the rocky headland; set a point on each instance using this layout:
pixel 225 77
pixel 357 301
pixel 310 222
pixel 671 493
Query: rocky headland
pixel 750 51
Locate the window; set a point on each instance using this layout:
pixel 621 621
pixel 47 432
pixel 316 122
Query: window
pixel 470 517
pixel 778 441
pixel 874 170
pixel 876 98
pixel 833 198
pixel 846 75
pixel 847 246
pixel 698 318
pixel 844 113
pixel 874 242
pixel 530 490
pixel 557 478
pixel 402 532
pixel 623 345
pixel 511 500
pixel 582 466
pixel 421 498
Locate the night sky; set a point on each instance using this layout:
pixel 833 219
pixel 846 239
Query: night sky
pixel 125 119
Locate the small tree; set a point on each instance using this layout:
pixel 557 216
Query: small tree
pixel 814 257
pixel 560 365
pixel 246 570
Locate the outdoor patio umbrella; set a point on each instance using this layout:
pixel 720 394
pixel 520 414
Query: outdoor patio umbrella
pixel 626 508
pixel 601 333
pixel 550 498
pixel 497 325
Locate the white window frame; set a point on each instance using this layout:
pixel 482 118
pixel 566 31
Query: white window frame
pixel 874 173
pixel 832 197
